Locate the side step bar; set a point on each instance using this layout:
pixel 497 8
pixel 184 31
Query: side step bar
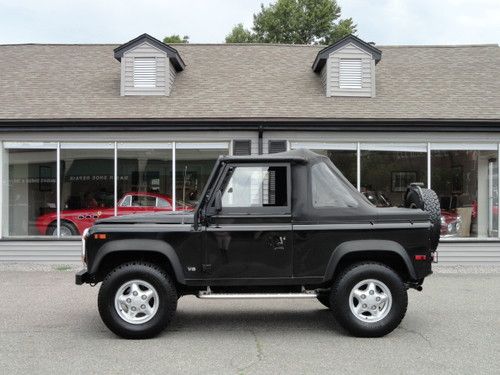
pixel 207 294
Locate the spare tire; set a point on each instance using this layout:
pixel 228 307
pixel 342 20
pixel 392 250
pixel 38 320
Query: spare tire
pixel 427 200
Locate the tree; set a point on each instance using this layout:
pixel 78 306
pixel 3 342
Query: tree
pixel 174 38
pixel 295 22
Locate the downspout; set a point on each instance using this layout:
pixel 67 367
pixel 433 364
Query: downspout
pixel 261 132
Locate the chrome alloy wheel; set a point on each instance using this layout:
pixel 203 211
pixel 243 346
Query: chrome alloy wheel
pixel 136 301
pixel 370 300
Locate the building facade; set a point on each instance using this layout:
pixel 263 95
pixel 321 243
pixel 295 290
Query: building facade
pixel 90 131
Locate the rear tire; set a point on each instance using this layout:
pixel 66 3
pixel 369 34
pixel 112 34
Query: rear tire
pixel 357 309
pixel 67 229
pixel 137 300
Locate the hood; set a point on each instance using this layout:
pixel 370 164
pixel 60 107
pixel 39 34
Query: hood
pixel 178 217
pixel 401 214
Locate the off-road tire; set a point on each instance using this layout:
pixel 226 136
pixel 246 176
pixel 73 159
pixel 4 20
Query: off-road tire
pixel 427 200
pixel 324 299
pixel 340 294
pixel 150 273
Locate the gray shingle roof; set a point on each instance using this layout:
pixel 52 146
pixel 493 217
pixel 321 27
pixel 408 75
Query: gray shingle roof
pixel 249 81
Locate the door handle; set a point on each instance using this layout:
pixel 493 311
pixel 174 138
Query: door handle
pixel 278 242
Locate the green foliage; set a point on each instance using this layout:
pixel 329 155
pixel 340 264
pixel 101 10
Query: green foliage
pixel 174 38
pixel 295 22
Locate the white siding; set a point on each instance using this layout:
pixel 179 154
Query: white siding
pixel 349 53
pixel 163 80
pixel 40 251
pixel 487 252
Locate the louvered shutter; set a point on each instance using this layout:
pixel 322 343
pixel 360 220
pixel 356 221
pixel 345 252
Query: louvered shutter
pixel 145 72
pixel 242 147
pixel 277 146
pixel 350 75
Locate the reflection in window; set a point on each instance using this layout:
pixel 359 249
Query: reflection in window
pixel 328 190
pixel 32 193
pixel 87 188
pixel 466 183
pixel 256 186
pixel 144 177
pixel 385 175
pixel 193 167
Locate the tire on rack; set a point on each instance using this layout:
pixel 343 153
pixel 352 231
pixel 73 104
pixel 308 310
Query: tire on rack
pixel 427 200
pixel 137 300
pixel 369 299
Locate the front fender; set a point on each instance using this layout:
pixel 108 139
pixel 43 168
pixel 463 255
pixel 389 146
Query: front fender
pixel 350 247
pixel 156 246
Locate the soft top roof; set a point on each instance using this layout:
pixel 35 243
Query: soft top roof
pixel 299 155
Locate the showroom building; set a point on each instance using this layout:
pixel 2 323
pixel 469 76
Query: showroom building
pixel 91 131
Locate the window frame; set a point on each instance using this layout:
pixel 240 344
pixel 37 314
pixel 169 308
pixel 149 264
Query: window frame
pixel 245 211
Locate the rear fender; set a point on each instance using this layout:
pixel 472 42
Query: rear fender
pixel 374 246
pixel 155 246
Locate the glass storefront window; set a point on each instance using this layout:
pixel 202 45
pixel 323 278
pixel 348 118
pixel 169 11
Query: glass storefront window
pixel 192 169
pixel 144 181
pixel 87 188
pixel 385 175
pixel 32 192
pixel 466 183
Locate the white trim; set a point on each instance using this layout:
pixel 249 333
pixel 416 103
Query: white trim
pixel 324 146
pixel 86 146
pixel 174 194
pixel 58 189
pixel 429 166
pixel 30 145
pixel 397 147
pixel 201 145
pixel 498 187
pixel 115 179
pixel 144 145
pixel 358 166
pixel 464 146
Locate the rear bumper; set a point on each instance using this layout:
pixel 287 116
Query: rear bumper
pixel 82 277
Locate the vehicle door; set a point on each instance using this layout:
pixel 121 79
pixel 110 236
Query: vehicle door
pixel 248 231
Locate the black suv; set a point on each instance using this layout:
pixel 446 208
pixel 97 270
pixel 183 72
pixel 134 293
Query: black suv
pixel 286 225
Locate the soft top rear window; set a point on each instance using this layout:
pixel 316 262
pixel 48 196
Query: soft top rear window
pixel 328 190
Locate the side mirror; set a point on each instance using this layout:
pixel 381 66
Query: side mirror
pixel 218 201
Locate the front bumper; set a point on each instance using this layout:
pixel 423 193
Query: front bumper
pixel 82 277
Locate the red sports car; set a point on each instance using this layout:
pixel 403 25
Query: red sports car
pixel 74 222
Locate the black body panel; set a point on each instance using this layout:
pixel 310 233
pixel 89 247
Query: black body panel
pixel 301 246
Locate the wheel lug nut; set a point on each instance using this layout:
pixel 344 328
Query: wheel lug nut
pixel 143 307
pixel 363 296
pixel 135 293
pixel 133 308
pixel 129 300
pixel 374 307
pixel 143 296
pixel 364 305
pixel 377 299
pixel 371 292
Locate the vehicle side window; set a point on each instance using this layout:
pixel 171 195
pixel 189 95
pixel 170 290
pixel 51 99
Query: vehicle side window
pixel 126 202
pixel 256 187
pixel 162 203
pixel 328 190
pixel 143 201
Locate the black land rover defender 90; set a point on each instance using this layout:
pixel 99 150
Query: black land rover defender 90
pixel 286 225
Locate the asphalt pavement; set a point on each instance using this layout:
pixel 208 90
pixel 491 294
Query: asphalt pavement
pixel 48 325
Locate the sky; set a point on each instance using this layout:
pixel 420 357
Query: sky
pixel 208 21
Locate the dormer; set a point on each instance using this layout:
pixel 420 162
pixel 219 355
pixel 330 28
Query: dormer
pixel 347 68
pixel 148 66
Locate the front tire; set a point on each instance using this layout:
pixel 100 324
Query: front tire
pixel 369 299
pixel 137 300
